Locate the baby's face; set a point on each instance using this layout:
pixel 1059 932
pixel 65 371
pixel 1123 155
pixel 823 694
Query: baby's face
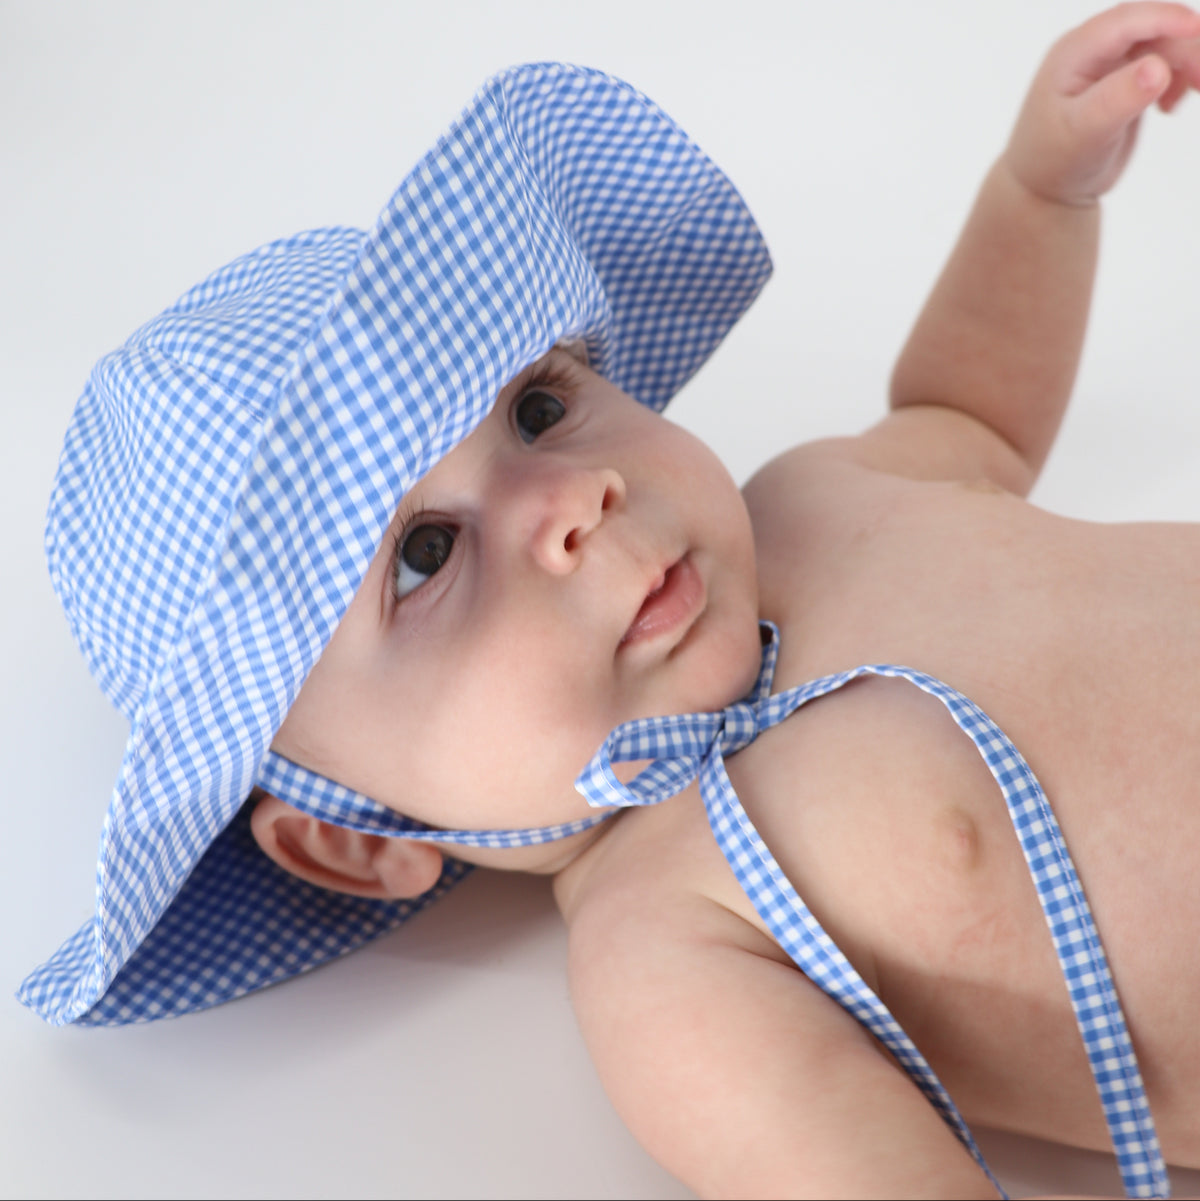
pixel 576 562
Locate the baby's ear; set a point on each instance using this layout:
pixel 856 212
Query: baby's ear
pixel 364 865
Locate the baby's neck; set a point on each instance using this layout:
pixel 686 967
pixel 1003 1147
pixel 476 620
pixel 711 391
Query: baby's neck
pixel 584 865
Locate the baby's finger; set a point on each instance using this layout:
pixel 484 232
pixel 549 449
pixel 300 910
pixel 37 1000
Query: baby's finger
pixel 1111 103
pixel 1171 97
pixel 1182 56
pixel 1101 44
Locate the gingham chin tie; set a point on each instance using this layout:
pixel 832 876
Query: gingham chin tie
pixel 693 746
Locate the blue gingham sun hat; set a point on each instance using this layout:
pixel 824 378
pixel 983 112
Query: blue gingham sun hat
pixel 229 472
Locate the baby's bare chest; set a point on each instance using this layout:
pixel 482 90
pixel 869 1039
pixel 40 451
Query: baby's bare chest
pixel 1081 641
pixel 1083 644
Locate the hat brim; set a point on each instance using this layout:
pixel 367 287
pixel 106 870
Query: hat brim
pixel 561 203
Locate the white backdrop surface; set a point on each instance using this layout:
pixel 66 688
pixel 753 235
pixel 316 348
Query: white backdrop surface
pixel 142 145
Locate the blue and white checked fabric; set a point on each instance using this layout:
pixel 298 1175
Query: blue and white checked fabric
pixel 228 473
pixel 332 802
pixel 694 745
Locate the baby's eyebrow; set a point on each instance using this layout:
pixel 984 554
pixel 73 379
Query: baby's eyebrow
pixel 565 354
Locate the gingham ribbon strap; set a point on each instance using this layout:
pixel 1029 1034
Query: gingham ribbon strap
pixel 323 798
pixel 694 745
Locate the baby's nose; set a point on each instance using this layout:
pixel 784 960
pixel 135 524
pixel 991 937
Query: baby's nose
pixel 569 503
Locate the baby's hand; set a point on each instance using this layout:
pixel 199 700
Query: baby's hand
pixel 1077 128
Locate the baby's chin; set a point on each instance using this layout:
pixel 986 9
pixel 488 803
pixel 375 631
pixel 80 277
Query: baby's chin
pixel 726 671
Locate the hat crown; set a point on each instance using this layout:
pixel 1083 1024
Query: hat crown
pixel 166 426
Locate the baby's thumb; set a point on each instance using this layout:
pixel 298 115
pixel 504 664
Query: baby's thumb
pixel 1114 101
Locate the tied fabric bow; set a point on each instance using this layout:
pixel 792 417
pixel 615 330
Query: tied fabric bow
pixel 684 746
pixel 693 746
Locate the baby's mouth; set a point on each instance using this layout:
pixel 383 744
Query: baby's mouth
pixel 672 602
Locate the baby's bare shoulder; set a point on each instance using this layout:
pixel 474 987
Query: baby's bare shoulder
pixel 915 443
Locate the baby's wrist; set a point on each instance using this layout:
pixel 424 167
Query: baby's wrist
pixel 1041 191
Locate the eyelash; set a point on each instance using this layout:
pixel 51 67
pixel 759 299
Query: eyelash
pixel 407 520
pixel 548 373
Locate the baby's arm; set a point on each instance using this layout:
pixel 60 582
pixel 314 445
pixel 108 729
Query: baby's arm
pixel 1000 337
pixel 737 1074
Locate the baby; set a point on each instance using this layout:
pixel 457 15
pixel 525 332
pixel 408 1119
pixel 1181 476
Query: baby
pixel 576 567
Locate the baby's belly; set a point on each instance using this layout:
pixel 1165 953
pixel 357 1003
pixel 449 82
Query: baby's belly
pixel 1086 651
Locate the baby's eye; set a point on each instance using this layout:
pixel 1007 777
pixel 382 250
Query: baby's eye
pixel 535 412
pixel 423 551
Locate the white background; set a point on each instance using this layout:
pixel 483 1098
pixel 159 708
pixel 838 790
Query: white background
pixel 142 145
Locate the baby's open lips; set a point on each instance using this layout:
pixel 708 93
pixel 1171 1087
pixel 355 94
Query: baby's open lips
pixel 649 599
pixel 672 601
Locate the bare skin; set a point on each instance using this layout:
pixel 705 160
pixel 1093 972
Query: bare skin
pixel 1082 642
